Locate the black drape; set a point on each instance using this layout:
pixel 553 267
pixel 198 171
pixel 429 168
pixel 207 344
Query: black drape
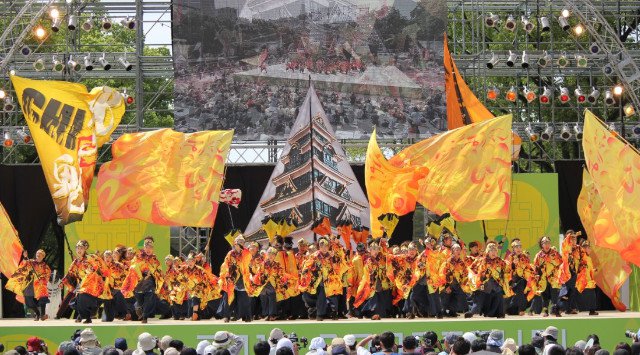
pixel 569 185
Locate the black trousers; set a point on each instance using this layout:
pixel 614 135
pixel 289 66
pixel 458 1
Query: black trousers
pixel 541 303
pixel 86 306
pixel 241 305
pixel 38 305
pixel 147 302
pixel 379 303
pixel 568 295
pixel 588 300
pixel 418 299
pixel 454 301
pixel 268 301
pixel 435 303
pixel 518 302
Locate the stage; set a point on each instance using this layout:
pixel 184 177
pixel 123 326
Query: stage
pixel 610 326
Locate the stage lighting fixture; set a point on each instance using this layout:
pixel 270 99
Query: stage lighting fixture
pixel 88 63
pixel 580 96
pixel 629 110
pixel 511 94
pixel 593 97
pixel 527 24
pixel 125 63
pixel 493 93
pixel 544 24
pixel 493 61
pixel 510 24
pixel 581 61
pixel 529 95
pixel 512 59
pixel 607 69
pixel 57 65
pixel 8 140
pixel 564 95
pixel 72 24
pixel 563 61
pixel 577 130
pixel 491 20
pixel 617 90
pixel 55 24
pixel 103 61
pixel 564 23
pixel 8 105
pixel 594 48
pixel 129 23
pixel 608 98
pixel 565 132
pixel 38 65
pixel 87 25
pixel 54 13
pixel 636 130
pixel 25 50
pixel 129 100
pixel 24 136
pixel 533 135
pixel 578 30
pixel 544 60
pixel 524 62
pixel 565 13
pixel 106 23
pixel 3 94
pixel 73 65
pixel 545 97
pixel 39 32
pixel 547 134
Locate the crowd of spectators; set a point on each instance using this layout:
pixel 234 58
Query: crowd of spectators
pixel 85 342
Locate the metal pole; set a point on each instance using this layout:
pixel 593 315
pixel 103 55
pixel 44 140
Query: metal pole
pixel 139 90
pixel 313 190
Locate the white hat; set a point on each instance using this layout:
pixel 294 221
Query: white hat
pixel 317 343
pixel 201 345
pixel 171 351
pixel 87 335
pixel 209 350
pixel 138 352
pixel 146 342
pixel 284 343
pixel 164 342
pixel 470 337
pixel 509 344
pixel 275 335
pixel 221 339
pixel 550 331
pixel 349 340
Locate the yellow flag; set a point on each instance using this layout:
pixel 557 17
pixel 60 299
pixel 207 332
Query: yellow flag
pixel 9 244
pixel 165 177
pixel 614 167
pixel 465 172
pixel 68 124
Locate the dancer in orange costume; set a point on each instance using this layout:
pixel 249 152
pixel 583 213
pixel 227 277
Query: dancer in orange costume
pixel 143 281
pixel 30 281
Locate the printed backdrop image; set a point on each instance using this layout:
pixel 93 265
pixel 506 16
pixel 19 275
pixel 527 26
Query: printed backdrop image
pixel 245 65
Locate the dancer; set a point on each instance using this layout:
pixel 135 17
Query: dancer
pixel 375 287
pixel 272 282
pixel 30 280
pixel 546 263
pixel 456 286
pixel 517 262
pixel 585 282
pixel 235 279
pixel 491 284
pixel 142 281
pixel 571 257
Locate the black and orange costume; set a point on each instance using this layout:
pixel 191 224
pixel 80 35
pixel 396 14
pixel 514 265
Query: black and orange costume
pixel 519 266
pixel 547 268
pixel 456 282
pixel 273 283
pixel 375 286
pixel 142 281
pixel 235 281
pixel 585 280
pixel 30 281
pixel 490 285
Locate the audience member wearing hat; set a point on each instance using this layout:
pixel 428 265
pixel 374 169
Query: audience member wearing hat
pixel 120 343
pixel 201 345
pixel 275 335
pixel 147 343
pixel 226 340
pixel 509 347
pixel 350 342
pixel 89 344
pixel 550 335
pixel 171 351
pixel 495 341
pixel 34 345
pixel 317 346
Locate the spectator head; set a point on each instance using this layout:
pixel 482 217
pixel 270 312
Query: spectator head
pixel 602 352
pixel 261 348
pixel 275 336
pixel 635 348
pixel 551 333
pixel 449 339
pixel 221 340
pixel 430 339
pixel 34 345
pixel 625 346
pixel 460 347
pixel 1 348
pixel 120 343
pixel 553 349
pixel 163 344
pixel 496 338
pixel 177 344
pixel 470 337
pixel 509 347
pixel 138 351
pixel 284 343
pixel 527 349
pixel 71 352
pixel 409 344
pixel 317 343
pixel 88 338
pixel 339 350
pixel 200 347
pixel 171 351
pixel 595 337
pixel 580 344
pixel 284 351
pixel 350 341
pixel 111 351
pixel 188 351
pixel 387 340
pixel 478 345
pixel 221 352
pixel 622 351
pixel 146 342
pixel 538 343
pixel 209 350
pixel 64 346
pixel 21 350
pixel 591 350
pixel 573 351
pixel 128 352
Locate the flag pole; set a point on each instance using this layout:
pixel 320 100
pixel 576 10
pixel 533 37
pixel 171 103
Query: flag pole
pixel 313 192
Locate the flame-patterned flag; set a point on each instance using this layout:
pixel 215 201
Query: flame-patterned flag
pixel 68 125
pixel 611 270
pixel 165 177
pixel 231 197
pixel 9 244
pixel 465 172
pixel 614 167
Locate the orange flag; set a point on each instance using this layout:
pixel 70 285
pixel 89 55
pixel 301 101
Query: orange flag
pixel 611 270
pixel 614 167
pixel 165 177
pixel 465 172
pixel 9 244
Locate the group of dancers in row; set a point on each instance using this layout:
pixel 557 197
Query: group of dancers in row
pixel 432 278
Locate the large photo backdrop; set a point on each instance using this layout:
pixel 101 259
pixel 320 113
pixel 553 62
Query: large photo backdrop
pixel 245 65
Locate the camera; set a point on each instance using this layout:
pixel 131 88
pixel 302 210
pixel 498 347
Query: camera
pixel 483 334
pixel 294 339
pixel 631 334
pixel 538 333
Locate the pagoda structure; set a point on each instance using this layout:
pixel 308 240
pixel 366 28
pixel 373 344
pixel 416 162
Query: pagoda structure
pixel 312 179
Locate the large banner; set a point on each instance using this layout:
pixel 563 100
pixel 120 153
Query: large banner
pixel 103 235
pixel 533 213
pixel 245 65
